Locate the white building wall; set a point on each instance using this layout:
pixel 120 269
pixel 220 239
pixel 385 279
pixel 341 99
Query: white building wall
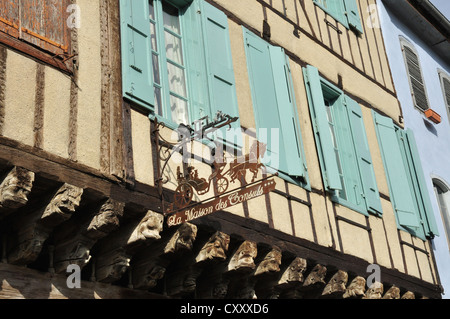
pixel 433 140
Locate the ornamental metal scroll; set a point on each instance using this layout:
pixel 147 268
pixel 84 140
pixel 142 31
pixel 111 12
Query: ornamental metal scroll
pixel 183 207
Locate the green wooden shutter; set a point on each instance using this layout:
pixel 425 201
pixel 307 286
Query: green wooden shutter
pixel 264 97
pixel 401 195
pixel 220 69
pixel 292 162
pixel 369 184
pixel 199 104
pixel 419 177
pixel 136 52
pixel 334 8
pixel 352 13
pixel 321 128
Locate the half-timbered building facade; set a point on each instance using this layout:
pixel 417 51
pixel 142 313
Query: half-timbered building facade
pixel 206 149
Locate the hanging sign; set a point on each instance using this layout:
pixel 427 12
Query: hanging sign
pixel 223 202
pixel 183 209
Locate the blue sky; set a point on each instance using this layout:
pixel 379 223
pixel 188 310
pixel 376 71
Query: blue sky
pixel 443 6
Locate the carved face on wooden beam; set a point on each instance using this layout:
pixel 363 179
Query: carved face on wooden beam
pixel 295 271
pixel 270 263
pixel 65 201
pixel 183 239
pixel 216 248
pixel 244 257
pixel 16 187
pixel 151 226
pixel 147 276
pixel 107 219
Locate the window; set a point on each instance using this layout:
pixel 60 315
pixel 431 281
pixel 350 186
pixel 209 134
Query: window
pixel 342 145
pixel 445 84
pixel 407 186
pixel 344 11
pixel 415 76
pixel 177 61
pixel 443 197
pixel 38 28
pixel 275 108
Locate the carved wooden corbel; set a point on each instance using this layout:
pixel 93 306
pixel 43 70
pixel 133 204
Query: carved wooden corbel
pixel 239 270
pixel 265 276
pixel 14 190
pixel 290 280
pixel 73 247
pixel 336 287
pixel 183 281
pixel 316 278
pixel 31 230
pixel 294 273
pixel 116 250
pixel 270 264
pixel 392 293
pixel 408 295
pixel 356 289
pixel 215 249
pixel 150 264
pixel 375 291
pixel 244 257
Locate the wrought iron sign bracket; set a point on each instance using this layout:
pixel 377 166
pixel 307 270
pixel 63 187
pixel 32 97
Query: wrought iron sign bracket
pixel 183 207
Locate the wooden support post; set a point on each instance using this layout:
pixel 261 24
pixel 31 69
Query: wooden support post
pixel 31 230
pixel 150 264
pixel 74 241
pixel 227 279
pixel 315 281
pixel 182 281
pixel 115 251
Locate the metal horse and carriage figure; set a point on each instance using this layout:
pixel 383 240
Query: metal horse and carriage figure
pixel 224 172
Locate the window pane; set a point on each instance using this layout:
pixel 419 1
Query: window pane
pixel 152 10
pixel 178 107
pixel 156 74
pixel 158 106
pixel 153 37
pixel 170 18
pixel 173 48
pixel 442 196
pixel 177 80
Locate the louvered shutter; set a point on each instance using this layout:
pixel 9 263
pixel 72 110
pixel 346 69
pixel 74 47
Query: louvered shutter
pixel 446 88
pixel 415 78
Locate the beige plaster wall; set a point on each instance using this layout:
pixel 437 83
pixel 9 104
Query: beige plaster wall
pixel 56 112
pixel 19 98
pixel 89 81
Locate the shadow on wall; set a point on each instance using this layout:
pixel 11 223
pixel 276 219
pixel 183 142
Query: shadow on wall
pixel 430 127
